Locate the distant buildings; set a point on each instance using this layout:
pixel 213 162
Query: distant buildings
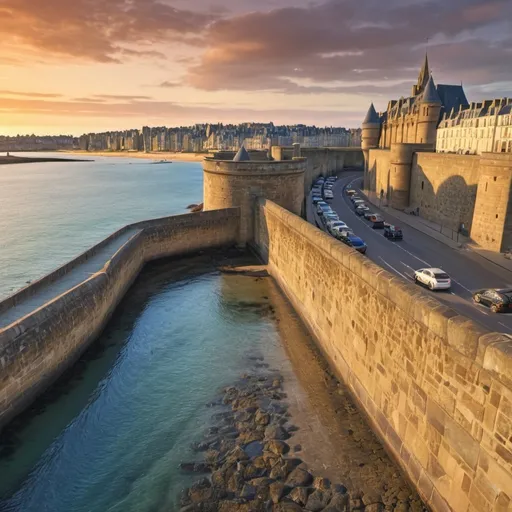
pixel 478 128
pixel 227 137
pixel 37 143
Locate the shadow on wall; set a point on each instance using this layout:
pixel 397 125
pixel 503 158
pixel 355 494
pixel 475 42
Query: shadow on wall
pixel 452 205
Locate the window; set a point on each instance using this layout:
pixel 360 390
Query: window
pixel 422 185
pixel 486 186
pixel 496 215
pixel 494 178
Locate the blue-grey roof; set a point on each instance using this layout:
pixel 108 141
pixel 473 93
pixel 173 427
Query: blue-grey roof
pixel 242 155
pixel 452 97
pixel 372 116
pixel 430 94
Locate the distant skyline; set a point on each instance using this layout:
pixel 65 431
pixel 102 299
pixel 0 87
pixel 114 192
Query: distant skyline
pixel 97 65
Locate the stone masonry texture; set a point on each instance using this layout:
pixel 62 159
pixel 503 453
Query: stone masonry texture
pixel 436 388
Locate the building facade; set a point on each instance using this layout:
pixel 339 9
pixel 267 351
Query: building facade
pixel 482 127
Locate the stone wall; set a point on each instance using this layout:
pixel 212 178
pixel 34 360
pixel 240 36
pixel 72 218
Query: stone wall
pixel 36 349
pixel 236 184
pixel 322 161
pixel 379 168
pixel 436 388
pixel 444 188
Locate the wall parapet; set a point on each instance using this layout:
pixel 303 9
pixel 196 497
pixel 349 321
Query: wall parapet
pixel 436 387
pixel 37 347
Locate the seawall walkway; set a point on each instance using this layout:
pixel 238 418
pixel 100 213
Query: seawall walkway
pixel 25 303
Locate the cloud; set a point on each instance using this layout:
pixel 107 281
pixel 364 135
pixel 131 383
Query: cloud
pixel 354 41
pixel 122 97
pixel 97 30
pixel 168 84
pixel 29 94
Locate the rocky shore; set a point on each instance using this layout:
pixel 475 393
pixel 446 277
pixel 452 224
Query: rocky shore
pixel 250 463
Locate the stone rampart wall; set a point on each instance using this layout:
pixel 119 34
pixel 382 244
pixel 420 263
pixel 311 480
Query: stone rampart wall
pixel 35 350
pixel 437 388
pixel 322 161
pixel 444 188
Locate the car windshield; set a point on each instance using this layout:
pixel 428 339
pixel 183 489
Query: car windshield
pixel 441 275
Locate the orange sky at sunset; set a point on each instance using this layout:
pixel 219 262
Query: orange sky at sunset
pixel 94 65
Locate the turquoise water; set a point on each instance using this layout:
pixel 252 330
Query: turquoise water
pixel 51 212
pixel 111 437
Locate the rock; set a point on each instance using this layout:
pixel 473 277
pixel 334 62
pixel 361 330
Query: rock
pixel 299 478
pixel 297 448
pixel 248 492
pixel 277 447
pixel 235 482
pixel 271 459
pixel 276 432
pixel 318 500
pixel 255 470
pixel 233 506
pixel 254 449
pixel 338 503
pixel 261 417
pixel 374 507
pixel 235 455
pixel 200 491
pixel 299 495
pixel 276 383
pixel 371 497
pixel 340 489
pixel 322 484
pixel 288 506
pixel 356 504
pixel 276 492
pixel 194 467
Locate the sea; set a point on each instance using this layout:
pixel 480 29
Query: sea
pixel 51 212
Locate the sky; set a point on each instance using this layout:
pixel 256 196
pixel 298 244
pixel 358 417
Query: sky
pixel 75 66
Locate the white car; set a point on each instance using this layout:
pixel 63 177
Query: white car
pixel 328 194
pixel 341 232
pixel 434 278
pixel 336 224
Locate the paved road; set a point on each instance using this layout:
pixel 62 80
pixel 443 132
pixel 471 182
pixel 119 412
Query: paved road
pixel 468 271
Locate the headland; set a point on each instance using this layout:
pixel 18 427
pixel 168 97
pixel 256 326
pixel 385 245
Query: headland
pixel 10 159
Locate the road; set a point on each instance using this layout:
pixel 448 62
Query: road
pixel 467 270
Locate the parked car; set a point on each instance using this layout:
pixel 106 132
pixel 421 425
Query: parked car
pixel 368 214
pixel 335 224
pixel 317 190
pixel 434 278
pixel 328 194
pixel 332 178
pixel 350 192
pixel 317 199
pixel 358 202
pixel 356 197
pixel 393 232
pixel 322 207
pixel 330 216
pixel 498 300
pixel 377 221
pixel 355 242
pixel 327 187
pixel 362 209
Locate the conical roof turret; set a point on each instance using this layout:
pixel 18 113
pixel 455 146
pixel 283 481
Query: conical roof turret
pixel 372 117
pixel 430 94
pixel 242 155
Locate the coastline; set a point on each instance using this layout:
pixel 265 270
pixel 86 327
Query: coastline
pixel 11 160
pixel 160 155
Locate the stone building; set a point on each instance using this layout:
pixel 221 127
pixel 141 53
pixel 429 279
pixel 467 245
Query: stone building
pixel 464 193
pixel 484 126
pixel 414 120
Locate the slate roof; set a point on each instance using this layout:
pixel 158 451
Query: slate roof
pixel 430 94
pixel 371 116
pixel 452 97
pixel 242 155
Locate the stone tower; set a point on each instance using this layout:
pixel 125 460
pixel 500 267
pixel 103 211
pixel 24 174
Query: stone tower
pixel 428 117
pixel 422 79
pixel 369 140
pixel 240 181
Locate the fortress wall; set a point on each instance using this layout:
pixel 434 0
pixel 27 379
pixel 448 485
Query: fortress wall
pixel 436 388
pixel 379 165
pixel 322 161
pixel 444 187
pixel 35 350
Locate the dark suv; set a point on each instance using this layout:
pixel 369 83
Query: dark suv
pixel 497 300
pixel 393 232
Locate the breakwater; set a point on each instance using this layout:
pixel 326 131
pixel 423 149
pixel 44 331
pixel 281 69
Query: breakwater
pixel 436 388
pixel 46 332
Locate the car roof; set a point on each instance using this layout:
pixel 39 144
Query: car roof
pixel 436 270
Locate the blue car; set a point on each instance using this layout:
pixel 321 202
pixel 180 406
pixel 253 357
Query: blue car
pixel 355 242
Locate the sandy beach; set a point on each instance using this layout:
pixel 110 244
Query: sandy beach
pixel 182 157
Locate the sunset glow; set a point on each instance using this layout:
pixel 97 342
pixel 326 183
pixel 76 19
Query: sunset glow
pixel 93 65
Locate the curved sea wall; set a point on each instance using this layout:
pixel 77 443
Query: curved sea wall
pixel 37 348
pixel 435 386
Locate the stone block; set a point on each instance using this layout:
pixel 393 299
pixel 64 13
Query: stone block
pixel 463 335
pixel 498 359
